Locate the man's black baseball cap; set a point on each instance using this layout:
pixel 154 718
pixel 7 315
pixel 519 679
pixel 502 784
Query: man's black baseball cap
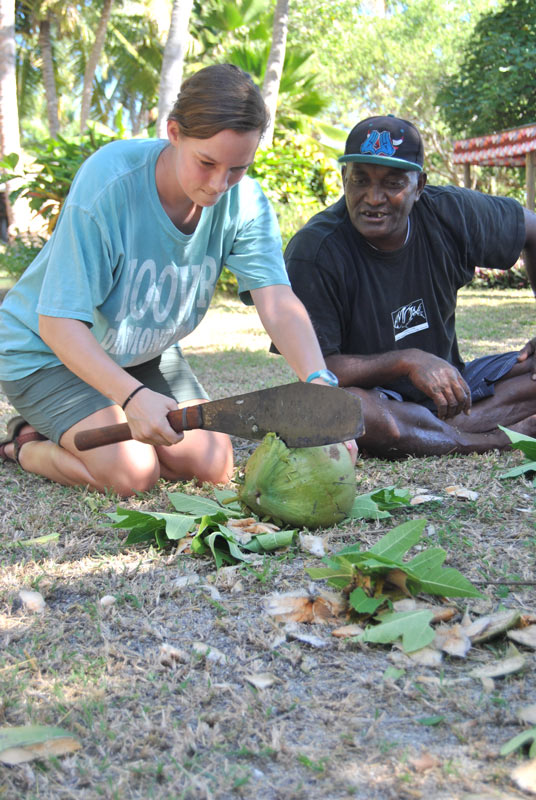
pixel 387 141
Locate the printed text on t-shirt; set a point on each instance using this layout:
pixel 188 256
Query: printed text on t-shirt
pixel 409 319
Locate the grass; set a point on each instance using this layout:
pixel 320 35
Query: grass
pixel 338 722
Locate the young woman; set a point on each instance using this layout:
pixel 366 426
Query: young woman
pixel 89 334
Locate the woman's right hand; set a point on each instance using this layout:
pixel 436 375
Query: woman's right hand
pixel 147 414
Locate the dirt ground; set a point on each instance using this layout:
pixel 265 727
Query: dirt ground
pixel 339 719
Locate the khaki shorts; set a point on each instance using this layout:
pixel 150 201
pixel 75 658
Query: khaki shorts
pixel 52 400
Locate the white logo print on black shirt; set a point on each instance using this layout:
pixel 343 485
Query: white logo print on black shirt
pixel 409 319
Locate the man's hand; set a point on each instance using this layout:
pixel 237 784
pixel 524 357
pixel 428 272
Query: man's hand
pixel 440 381
pixel 529 352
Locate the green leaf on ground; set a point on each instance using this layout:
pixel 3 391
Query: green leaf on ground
pixel 25 743
pixel 267 542
pixel 425 571
pixel 437 719
pixel 426 574
pixel 391 497
pixel 364 507
pixel 198 506
pixel 444 582
pixel 339 572
pixel 209 521
pixel 397 542
pixel 527 445
pixel 413 627
pixel 362 603
pixel 376 504
pixel 521 740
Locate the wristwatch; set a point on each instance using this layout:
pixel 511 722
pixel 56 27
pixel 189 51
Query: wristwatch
pixel 326 375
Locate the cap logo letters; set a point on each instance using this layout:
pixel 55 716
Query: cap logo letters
pixel 380 144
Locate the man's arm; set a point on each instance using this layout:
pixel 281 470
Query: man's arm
pixel 530 247
pixel 433 376
pixel 529 350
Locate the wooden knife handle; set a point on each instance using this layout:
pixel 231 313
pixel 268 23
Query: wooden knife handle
pixel 184 419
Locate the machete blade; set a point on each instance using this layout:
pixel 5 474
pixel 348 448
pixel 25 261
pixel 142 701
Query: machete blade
pixel 301 414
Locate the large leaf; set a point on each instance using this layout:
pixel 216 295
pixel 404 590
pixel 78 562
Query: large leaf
pixel 520 441
pixel 521 740
pixel 376 504
pixel 24 743
pixel 391 497
pixel 445 582
pixel 144 525
pixel 395 544
pixel 267 542
pixel 412 626
pixel 223 547
pixel 198 506
pixel 362 603
pixel 364 507
pixel 338 573
pixel 528 466
pixel 427 561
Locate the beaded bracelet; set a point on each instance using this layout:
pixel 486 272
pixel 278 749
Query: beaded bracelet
pixel 131 395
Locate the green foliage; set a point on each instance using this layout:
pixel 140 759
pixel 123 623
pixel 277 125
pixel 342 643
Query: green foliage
pixel 299 178
pixel 376 504
pixel 494 88
pixel 373 578
pixel 521 740
pixel 413 627
pixel 240 32
pixel 389 63
pixel 46 184
pixel 515 278
pixel 527 445
pixel 16 256
pixel 297 170
pixel 205 522
pixel 424 572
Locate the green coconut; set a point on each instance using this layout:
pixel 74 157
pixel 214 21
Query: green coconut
pixel 311 487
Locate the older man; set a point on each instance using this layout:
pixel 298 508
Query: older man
pixel 379 273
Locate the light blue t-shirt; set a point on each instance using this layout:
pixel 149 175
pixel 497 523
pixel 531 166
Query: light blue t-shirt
pixel 117 262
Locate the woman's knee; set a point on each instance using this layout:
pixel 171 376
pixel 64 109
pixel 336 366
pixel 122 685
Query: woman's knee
pixel 126 470
pixel 205 456
pixel 217 469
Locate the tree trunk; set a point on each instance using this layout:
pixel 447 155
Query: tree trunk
pixel 274 67
pixel 9 115
pixel 49 79
pixel 172 62
pixel 92 62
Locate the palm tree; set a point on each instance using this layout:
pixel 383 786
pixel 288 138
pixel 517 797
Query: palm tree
pixel 274 67
pixel 47 19
pixel 93 60
pixel 9 115
pixel 241 32
pixel 173 61
pixel 47 68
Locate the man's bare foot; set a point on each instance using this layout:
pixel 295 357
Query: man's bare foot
pixel 526 426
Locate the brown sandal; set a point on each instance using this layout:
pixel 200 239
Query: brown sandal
pixel 15 425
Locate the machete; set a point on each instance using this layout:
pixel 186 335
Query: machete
pixel 301 414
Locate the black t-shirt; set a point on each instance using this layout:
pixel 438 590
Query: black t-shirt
pixel 365 301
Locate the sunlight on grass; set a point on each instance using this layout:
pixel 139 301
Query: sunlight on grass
pixel 228 324
pixel 494 322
